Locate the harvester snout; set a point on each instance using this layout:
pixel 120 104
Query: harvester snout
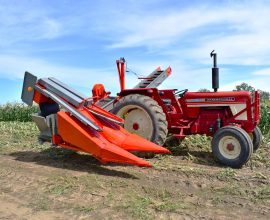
pixel 70 120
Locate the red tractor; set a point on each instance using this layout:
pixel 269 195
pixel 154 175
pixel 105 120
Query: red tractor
pixel 231 118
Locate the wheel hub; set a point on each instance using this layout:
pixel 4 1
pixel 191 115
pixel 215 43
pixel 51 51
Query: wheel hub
pixel 136 126
pixel 230 147
pixel 137 121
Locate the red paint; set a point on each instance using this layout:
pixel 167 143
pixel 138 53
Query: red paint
pixel 135 126
pixel 230 147
pixel 184 119
pixel 121 72
pixel 186 115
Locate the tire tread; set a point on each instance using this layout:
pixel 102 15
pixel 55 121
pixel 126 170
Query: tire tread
pixel 160 123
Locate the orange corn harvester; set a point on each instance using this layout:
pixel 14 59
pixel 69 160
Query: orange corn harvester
pixel 70 120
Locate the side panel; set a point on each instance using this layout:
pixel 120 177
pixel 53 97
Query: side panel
pixel 28 88
pixel 77 136
pixel 45 132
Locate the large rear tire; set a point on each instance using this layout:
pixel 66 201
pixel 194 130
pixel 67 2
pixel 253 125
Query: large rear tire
pixel 256 137
pixel 232 146
pixel 143 116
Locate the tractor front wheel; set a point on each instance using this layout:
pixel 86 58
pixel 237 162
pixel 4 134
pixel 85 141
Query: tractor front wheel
pixel 232 146
pixel 143 116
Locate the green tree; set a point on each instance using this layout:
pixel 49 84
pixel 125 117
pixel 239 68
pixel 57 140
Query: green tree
pixel 265 103
pixel 245 87
pixel 203 90
pixel 265 96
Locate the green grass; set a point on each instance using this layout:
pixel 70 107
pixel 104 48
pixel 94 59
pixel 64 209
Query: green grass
pixel 18 136
pixel 63 184
pixel 226 173
pixel 83 209
pixel 21 129
pixel 42 203
pixel 234 190
pixel 152 202
pixel 264 193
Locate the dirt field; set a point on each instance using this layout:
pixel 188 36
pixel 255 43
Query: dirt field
pixel 42 182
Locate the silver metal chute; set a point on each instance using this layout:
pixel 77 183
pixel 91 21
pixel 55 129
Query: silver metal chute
pixel 68 108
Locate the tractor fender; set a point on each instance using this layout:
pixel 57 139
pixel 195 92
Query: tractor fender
pixel 143 91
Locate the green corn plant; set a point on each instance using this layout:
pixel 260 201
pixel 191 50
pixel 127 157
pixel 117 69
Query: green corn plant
pixel 17 112
pixel 265 119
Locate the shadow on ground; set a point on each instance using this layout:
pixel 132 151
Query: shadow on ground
pixel 70 160
pixel 199 153
pixel 197 157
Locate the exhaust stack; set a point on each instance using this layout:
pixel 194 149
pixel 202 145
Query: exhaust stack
pixel 215 72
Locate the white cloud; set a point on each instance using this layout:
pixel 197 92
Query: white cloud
pixel 257 83
pixel 238 31
pixel 13 67
pixel 183 76
pixel 262 72
pixel 24 22
pixel 175 36
pixel 259 80
pixel 160 30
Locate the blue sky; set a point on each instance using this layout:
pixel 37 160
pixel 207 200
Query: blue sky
pixel 79 41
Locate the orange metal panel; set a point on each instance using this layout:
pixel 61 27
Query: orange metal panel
pixel 86 139
pixel 39 98
pixel 119 136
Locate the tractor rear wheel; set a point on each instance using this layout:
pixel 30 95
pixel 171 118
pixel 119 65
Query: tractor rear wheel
pixel 143 116
pixel 256 137
pixel 232 146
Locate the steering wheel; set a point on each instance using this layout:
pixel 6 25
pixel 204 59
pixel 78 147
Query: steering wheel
pixel 181 93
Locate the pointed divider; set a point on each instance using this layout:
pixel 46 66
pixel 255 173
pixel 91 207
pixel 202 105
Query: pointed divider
pixel 136 143
pixel 75 133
